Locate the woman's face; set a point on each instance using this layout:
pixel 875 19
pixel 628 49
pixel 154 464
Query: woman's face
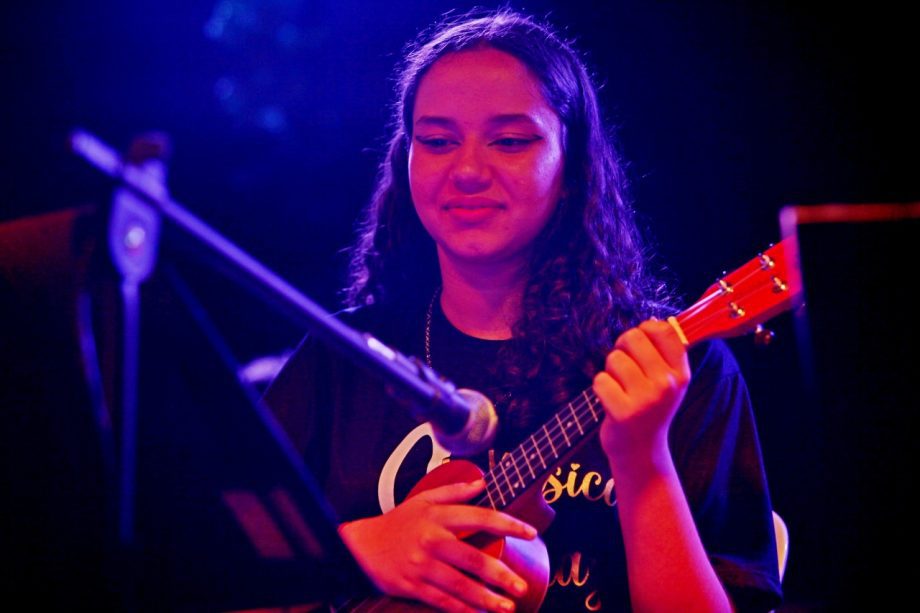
pixel 486 161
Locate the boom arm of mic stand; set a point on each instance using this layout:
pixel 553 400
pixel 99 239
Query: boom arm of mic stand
pixel 411 379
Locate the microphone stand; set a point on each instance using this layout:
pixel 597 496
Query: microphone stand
pixel 133 232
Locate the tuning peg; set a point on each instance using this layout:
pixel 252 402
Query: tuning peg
pixel 763 336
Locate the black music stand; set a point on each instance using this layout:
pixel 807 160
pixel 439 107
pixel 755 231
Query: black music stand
pixel 57 466
pixel 224 515
pixel 856 539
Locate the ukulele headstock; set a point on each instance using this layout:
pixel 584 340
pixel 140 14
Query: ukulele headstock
pixel 741 300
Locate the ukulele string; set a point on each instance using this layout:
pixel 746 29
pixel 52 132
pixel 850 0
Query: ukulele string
pixel 547 443
pixel 752 270
pixel 551 436
pixel 690 323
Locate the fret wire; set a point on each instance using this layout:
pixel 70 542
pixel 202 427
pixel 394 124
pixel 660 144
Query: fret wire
pixel 575 417
pixel 552 449
pixel 484 501
pixel 523 450
pixel 498 487
pixel 584 415
pixel 514 464
pixel 550 440
pixel 585 409
pixel 533 475
pixel 507 480
pixel 552 431
pixel 488 479
pixel 562 428
pixel 524 483
pixel 580 408
pixel 537 448
pixel 588 417
pixel 590 405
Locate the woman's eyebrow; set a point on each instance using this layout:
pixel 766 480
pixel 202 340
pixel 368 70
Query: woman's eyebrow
pixel 511 118
pixel 436 121
pixel 501 120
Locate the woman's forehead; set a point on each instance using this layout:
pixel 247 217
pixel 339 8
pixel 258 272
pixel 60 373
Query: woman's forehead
pixel 481 83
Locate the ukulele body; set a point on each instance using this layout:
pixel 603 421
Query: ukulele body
pixel 529 559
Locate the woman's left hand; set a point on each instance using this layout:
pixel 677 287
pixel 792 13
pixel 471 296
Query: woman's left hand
pixel 644 381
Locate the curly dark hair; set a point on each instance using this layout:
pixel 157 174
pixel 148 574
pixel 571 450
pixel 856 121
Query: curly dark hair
pixel 588 273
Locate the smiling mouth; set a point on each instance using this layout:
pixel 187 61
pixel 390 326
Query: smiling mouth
pixel 473 216
pixel 471 209
pixel 477 205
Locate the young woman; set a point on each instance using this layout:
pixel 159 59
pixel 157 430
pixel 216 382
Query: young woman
pixel 499 246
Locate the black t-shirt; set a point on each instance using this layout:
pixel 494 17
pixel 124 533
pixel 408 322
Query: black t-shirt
pixel 367 451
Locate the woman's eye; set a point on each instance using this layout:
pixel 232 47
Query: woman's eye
pixel 514 143
pixel 434 142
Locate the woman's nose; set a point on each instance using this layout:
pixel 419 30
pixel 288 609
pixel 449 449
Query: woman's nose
pixel 471 172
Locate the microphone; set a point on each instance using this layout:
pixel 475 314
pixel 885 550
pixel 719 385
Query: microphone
pixel 477 433
pixel 464 420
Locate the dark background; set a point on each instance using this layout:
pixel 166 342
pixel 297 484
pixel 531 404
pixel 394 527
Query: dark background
pixel 276 110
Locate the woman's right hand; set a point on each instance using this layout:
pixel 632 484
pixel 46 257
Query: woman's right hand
pixel 413 551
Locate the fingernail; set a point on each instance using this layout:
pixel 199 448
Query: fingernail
pixel 520 587
pixel 477 483
pixel 506 605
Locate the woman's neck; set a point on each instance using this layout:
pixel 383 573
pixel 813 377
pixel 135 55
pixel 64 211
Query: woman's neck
pixel 482 301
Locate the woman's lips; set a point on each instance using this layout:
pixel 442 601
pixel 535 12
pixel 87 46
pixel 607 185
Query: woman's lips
pixel 472 211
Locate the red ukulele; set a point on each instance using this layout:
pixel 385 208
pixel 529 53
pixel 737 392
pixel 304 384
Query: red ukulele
pixel 736 304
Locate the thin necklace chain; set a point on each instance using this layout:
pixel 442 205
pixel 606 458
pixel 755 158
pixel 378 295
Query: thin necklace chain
pixel 428 315
pixel 506 397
